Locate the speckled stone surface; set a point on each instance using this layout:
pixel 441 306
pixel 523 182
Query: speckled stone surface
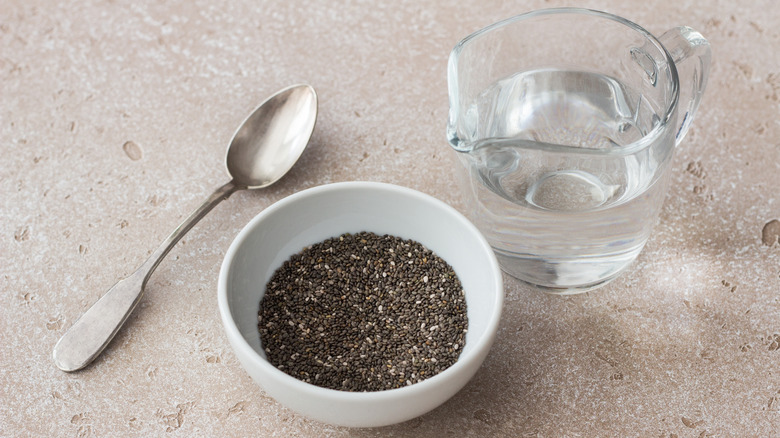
pixel 114 119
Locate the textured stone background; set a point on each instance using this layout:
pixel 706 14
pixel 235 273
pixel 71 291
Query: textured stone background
pixel 114 117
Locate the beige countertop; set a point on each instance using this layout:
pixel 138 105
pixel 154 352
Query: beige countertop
pixel 114 120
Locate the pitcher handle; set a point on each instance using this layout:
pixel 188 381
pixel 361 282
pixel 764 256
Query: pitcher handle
pixel 691 54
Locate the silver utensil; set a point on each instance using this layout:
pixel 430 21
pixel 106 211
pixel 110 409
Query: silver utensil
pixel 262 150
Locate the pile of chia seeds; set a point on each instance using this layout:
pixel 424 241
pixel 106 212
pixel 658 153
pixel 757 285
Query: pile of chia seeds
pixel 363 312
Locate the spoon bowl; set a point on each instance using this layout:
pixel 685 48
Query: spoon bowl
pixel 286 122
pixel 262 150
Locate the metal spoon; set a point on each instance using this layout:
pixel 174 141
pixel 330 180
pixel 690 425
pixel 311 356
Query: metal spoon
pixel 263 149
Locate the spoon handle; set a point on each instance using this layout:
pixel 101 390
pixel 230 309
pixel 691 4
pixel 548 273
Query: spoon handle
pixel 91 333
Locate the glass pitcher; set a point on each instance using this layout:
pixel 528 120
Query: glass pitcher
pixel 565 122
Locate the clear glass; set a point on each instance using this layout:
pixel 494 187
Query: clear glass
pixel 565 122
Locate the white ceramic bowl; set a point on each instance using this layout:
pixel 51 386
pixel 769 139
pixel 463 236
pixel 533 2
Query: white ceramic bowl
pixel 316 214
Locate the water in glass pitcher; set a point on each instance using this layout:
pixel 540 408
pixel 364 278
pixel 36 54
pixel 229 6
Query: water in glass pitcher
pixel 565 175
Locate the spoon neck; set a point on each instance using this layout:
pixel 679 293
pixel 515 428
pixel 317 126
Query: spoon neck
pixel 226 190
pixel 219 195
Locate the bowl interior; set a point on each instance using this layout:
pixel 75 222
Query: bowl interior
pixel 313 215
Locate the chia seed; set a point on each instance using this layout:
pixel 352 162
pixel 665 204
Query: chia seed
pixel 363 312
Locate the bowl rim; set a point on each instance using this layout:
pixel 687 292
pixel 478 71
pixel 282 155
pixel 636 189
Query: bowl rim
pixel 244 349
